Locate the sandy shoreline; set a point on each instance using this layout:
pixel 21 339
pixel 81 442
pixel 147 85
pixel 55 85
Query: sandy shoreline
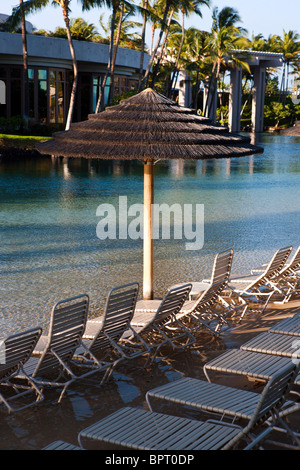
pixel 294 130
pixel 86 403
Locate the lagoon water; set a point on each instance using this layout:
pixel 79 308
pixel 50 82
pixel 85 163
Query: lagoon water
pixel 49 249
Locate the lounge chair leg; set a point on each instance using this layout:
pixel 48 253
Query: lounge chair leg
pixel 63 391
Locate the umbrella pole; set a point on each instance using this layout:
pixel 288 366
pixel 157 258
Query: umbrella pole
pixel 148 239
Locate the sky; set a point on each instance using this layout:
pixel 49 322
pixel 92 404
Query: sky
pixel 259 16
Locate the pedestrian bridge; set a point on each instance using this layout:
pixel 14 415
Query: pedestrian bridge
pixel 258 62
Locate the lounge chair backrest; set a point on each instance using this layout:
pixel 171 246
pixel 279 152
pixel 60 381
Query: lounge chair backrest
pixel 209 296
pixel 67 325
pixel 275 392
pixel 119 310
pixel 274 267
pixel 16 349
pixel 293 265
pixel 272 397
pixel 172 303
pixel 222 266
pixel 278 260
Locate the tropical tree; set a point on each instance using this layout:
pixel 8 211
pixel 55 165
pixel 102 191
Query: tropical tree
pixel 118 10
pixel 83 31
pixel 80 30
pixel 289 46
pixel 196 58
pixel 186 7
pixel 25 65
pixel 145 13
pixel 12 24
pixel 167 6
pixel 225 37
pixel 159 56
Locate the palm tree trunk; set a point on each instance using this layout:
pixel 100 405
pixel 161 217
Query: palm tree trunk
pixel 75 68
pixel 212 78
pixel 25 67
pixel 152 39
pixel 196 92
pixel 100 102
pixel 162 48
pixel 146 76
pixel 145 6
pixel 172 81
pixel 116 45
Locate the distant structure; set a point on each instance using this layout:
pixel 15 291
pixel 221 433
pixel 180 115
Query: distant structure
pixel 258 63
pixel 29 27
pixel 50 76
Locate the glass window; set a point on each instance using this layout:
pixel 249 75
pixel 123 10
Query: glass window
pixel 60 102
pixel 15 73
pixel 96 91
pixel 42 101
pixel 2 92
pixel 31 98
pixel 61 76
pixel 2 98
pixel 106 90
pixel 123 87
pixel 52 100
pixel 42 74
pixel 57 95
pixel 15 98
pixel 31 74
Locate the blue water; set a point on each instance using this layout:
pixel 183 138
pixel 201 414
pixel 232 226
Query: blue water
pixel 49 249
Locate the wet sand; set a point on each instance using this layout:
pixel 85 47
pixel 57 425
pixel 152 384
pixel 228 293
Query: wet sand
pixel 87 402
pixel 294 130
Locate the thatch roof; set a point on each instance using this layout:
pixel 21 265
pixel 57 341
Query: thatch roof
pixel 147 126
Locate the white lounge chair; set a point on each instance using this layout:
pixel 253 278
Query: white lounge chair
pixel 210 310
pixel 53 363
pixel 105 339
pixel 287 326
pixel 274 344
pixel 15 352
pixel 258 288
pixel 61 445
pixel 163 327
pixel 286 283
pixel 220 271
pixel 232 403
pixel 250 364
pixel 147 430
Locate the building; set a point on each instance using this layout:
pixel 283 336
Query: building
pixel 50 73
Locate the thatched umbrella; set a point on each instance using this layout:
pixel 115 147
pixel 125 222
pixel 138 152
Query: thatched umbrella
pixel 148 127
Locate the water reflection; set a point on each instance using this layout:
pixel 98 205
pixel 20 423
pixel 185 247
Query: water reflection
pixel 49 249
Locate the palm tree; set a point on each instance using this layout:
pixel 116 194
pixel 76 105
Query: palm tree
pixel 289 46
pixel 225 37
pixel 167 7
pixel 25 66
pixel 145 5
pixel 196 58
pixel 172 17
pixel 186 7
pixel 83 31
pixel 80 30
pixel 118 9
pixel 13 24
